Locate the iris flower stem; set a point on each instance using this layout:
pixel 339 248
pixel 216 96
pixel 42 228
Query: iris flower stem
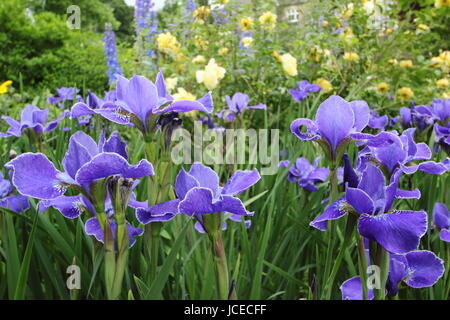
pixel 121 262
pixel 110 259
pixel 383 263
pixel 220 262
pixel 328 280
pixel 362 264
pixel 351 222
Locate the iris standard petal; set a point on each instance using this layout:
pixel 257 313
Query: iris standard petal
pixel 183 183
pixel 335 119
pixel 397 232
pixel 359 200
pixel 206 177
pixel 373 183
pixel 78 153
pixel 361 111
pixel 116 145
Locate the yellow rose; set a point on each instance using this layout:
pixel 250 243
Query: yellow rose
pixel 182 94
pixel 441 3
pixel 351 56
pixel 171 83
pixel 246 24
pixel 289 64
pixel 223 51
pixel 211 75
pixel 406 64
pixel 382 87
pixel 247 41
pixel 199 60
pixel 202 13
pixel 324 84
pixel 167 43
pixel 442 83
pixel 393 61
pixel 268 20
pixel 405 93
pixel 423 27
pixel 4 86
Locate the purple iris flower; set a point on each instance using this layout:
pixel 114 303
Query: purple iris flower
pixel 442 138
pixel 441 219
pixel 198 193
pixel 441 110
pixel 85 162
pixel 401 152
pixel 65 94
pixel 236 105
pixel 406 118
pixel 31 118
pixel 307 175
pixel 16 203
pixel 303 89
pixel 138 99
pixel 337 122
pixel 417 269
pixel 376 121
pixel 371 200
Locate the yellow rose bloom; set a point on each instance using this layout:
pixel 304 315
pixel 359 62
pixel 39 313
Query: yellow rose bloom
pixel 393 61
pixel 442 83
pixel 223 51
pixel 442 3
pixel 202 13
pixel 289 64
pixel 405 93
pixel 4 86
pixel 247 41
pixel 167 43
pixel 423 27
pixel 382 87
pixel 201 43
pixel 246 24
pixel 171 83
pixel 406 64
pixel 199 60
pixel 324 84
pixel 348 12
pixel 211 75
pixel 182 94
pixel 351 56
pixel 268 20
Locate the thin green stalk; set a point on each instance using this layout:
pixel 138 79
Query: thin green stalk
pixel 351 222
pixel 362 264
pixel 383 263
pixel 220 262
pixel 110 260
